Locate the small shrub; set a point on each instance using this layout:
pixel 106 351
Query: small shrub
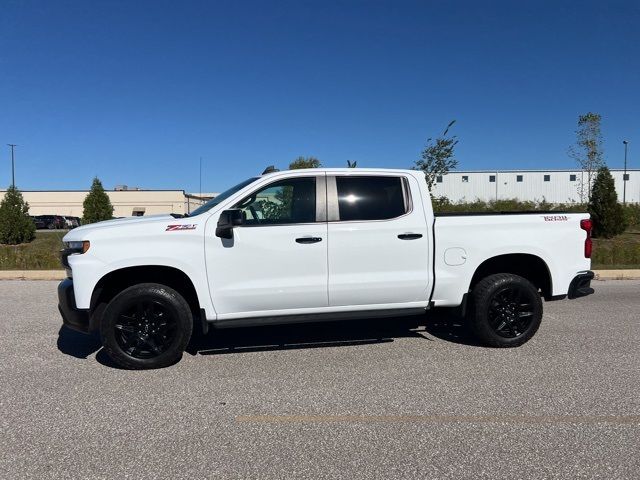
pixel 97 206
pixel 15 224
pixel 607 214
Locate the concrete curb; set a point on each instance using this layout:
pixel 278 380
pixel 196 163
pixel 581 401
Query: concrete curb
pixel 32 274
pixel 60 274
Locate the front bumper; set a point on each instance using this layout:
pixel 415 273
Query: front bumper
pixel 581 285
pixel 72 317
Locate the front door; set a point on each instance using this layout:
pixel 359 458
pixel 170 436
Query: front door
pixel 276 262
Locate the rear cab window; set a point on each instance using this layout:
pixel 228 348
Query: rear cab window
pixel 365 198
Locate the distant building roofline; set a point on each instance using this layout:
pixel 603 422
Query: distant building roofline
pixel 203 194
pixel 550 170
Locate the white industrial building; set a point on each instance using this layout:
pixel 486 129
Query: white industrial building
pixel 554 186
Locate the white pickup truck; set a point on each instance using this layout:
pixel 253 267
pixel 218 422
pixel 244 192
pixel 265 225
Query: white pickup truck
pixel 312 245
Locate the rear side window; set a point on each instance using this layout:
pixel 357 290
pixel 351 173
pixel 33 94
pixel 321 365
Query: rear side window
pixel 370 198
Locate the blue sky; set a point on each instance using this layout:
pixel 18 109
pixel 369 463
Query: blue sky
pixel 135 92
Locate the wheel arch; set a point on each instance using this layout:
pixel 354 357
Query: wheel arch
pixel 526 265
pixel 118 280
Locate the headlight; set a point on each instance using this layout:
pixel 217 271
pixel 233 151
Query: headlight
pixel 78 247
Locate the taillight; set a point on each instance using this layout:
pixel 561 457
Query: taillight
pixel 587 225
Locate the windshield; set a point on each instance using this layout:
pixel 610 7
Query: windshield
pixel 223 196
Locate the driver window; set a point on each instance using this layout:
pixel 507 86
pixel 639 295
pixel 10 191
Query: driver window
pixel 287 201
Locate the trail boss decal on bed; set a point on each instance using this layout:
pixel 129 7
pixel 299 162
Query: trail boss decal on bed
pixel 173 228
pixel 555 218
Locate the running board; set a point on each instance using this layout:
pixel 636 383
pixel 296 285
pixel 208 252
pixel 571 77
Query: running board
pixel 316 317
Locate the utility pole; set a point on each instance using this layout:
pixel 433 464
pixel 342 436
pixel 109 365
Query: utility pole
pixel 13 165
pixel 200 178
pixel 624 177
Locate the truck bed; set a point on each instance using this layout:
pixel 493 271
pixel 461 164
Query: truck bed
pixel 463 241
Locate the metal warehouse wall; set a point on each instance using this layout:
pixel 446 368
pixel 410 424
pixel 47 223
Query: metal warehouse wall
pixel 558 189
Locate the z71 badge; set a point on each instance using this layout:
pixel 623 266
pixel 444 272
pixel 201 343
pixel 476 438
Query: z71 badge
pixel 173 228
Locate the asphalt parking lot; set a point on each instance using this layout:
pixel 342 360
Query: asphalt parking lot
pixel 342 400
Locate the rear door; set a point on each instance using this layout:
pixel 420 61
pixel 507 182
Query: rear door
pixel 378 241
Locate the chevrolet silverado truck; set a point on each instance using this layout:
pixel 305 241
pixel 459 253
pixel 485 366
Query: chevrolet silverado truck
pixel 312 245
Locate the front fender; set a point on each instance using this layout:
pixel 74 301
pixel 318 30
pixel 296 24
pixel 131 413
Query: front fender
pixel 88 271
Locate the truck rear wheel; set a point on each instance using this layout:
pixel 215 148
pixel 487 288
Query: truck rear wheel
pixel 506 310
pixel 146 326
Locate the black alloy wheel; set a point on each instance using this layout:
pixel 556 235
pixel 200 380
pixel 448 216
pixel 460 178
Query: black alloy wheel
pixel 146 329
pixel 505 310
pixel 511 311
pixel 147 325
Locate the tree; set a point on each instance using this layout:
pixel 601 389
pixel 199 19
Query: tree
pixel 97 206
pixel 351 164
pixel 305 162
pixel 15 224
pixel 438 158
pixel 606 213
pixel 587 151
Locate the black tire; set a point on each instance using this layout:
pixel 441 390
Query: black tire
pixel 506 310
pixel 146 326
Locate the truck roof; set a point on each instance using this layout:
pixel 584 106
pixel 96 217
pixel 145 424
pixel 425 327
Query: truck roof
pixel 347 170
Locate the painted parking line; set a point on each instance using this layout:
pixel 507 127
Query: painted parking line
pixel 472 419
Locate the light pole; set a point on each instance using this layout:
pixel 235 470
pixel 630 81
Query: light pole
pixel 624 176
pixel 13 165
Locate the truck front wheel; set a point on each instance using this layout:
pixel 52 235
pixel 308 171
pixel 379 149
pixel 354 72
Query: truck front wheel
pixel 146 326
pixel 506 310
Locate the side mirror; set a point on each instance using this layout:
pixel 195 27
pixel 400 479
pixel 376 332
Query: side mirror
pixel 229 219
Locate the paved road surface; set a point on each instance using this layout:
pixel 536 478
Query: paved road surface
pixel 357 400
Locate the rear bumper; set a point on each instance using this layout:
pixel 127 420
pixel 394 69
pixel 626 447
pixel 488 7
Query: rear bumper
pixel 581 285
pixel 72 317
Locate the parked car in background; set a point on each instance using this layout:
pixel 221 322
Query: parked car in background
pixel 53 222
pixel 39 223
pixel 72 222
